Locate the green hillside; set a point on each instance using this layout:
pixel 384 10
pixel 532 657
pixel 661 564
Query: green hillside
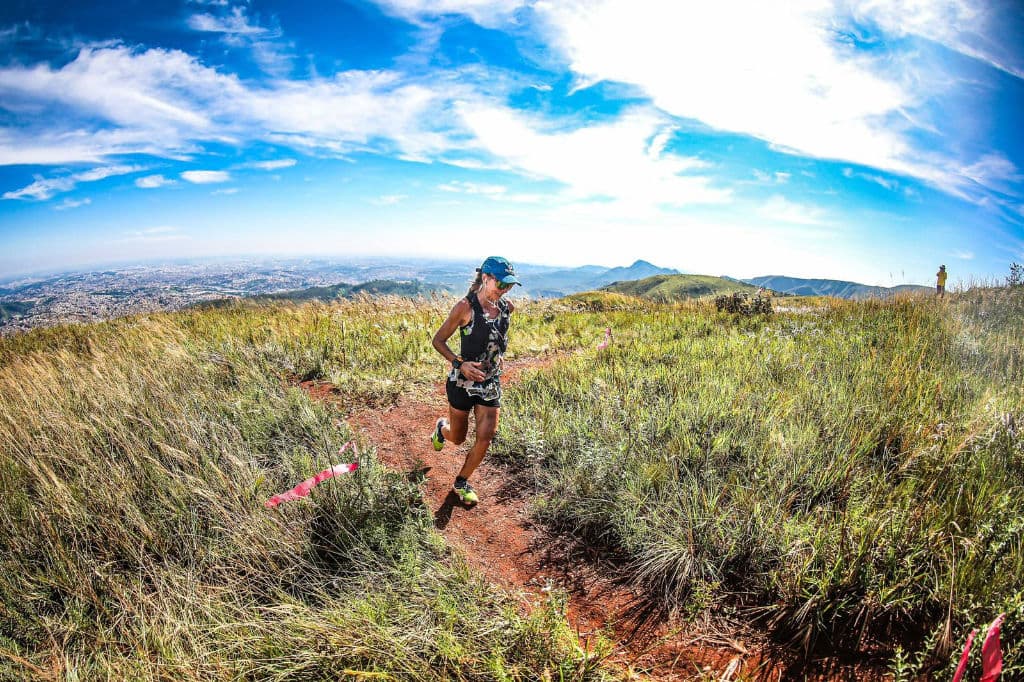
pixel 678 287
pixel 849 478
pixel 12 308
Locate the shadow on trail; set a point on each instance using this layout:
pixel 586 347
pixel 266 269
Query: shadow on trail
pixel 444 513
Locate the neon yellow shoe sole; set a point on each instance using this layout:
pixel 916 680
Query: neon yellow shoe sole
pixel 437 438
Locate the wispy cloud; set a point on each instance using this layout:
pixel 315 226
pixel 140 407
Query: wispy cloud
pixel 237 30
pixel 235 23
pixel 964 255
pixel 162 233
pixel 778 177
pixel 45 188
pixel 225 191
pixel 166 103
pixel 780 210
pixel 887 183
pixel 270 165
pixel 960 25
pixel 622 160
pixel 389 199
pixel 487 13
pixel 205 177
pixel 473 188
pixel 72 203
pixel 491 191
pixel 153 182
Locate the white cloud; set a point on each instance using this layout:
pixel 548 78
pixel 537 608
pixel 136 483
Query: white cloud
pixel 72 203
pixel 780 210
pixel 778 177
pixel 271 165
pixel 775 72
pixel 887 183
pixel 162 233
pixel 959 25
pixel 225 191
pixel 389 199
pixel 42 188
pixel 165 103
pixel 235 23
pixel 964 255
pixel 153 181
pixel 493 192
pixel 205 177
pixel 487 13
pixel 237 31
pixel 992 170
pixel 473 188
pixel 45 188
pixel 475 164
pixel 621 159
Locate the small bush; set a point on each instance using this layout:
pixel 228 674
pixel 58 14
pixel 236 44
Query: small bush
pixel 741 303
pixel 1016 276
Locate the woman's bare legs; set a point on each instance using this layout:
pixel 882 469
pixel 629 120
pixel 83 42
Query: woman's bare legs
pixel 458 424
pixel 486 427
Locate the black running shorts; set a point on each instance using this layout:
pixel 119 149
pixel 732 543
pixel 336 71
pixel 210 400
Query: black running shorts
pixel 460 399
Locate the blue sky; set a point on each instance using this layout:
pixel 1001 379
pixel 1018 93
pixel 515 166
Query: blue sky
pixel 861 140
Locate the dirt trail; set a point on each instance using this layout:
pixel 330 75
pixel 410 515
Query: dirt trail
pixel 499 540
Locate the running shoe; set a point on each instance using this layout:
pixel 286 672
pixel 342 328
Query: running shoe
pixel 465 492
pixel 437 438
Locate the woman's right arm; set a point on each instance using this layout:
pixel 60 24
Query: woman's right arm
pixel 458 317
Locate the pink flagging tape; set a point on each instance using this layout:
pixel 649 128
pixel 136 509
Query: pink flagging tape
pixel 303 489
pixel 960 669
pixel 991 653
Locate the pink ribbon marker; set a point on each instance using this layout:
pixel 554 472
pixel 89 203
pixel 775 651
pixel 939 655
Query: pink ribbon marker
pixel 991 653
pixel 303 489
pixel 960 669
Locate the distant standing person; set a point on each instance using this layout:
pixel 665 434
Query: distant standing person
pixel 482 318
pixel 940 281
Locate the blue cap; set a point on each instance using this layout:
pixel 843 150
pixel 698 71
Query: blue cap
pixel 500 269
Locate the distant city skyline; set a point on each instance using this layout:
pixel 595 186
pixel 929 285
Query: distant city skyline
pixel 864 141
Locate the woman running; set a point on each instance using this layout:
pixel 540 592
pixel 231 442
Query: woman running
pixel 482 317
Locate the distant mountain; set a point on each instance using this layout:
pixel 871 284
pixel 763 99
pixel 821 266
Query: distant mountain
pixel 638 270
pixel 566 281
pixel 830 287
pixel 679 287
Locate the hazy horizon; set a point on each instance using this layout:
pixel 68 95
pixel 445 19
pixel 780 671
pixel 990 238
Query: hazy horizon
pixel 351 259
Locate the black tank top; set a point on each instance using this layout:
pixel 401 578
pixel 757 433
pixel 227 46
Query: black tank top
pixel 484 340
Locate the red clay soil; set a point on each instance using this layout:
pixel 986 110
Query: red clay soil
pixel 498 540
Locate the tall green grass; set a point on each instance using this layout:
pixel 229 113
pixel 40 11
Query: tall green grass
pixel 135 457
pixel 846 477
pixel 849 476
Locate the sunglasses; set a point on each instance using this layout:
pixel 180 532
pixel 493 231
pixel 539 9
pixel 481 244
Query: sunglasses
pixel 503 286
